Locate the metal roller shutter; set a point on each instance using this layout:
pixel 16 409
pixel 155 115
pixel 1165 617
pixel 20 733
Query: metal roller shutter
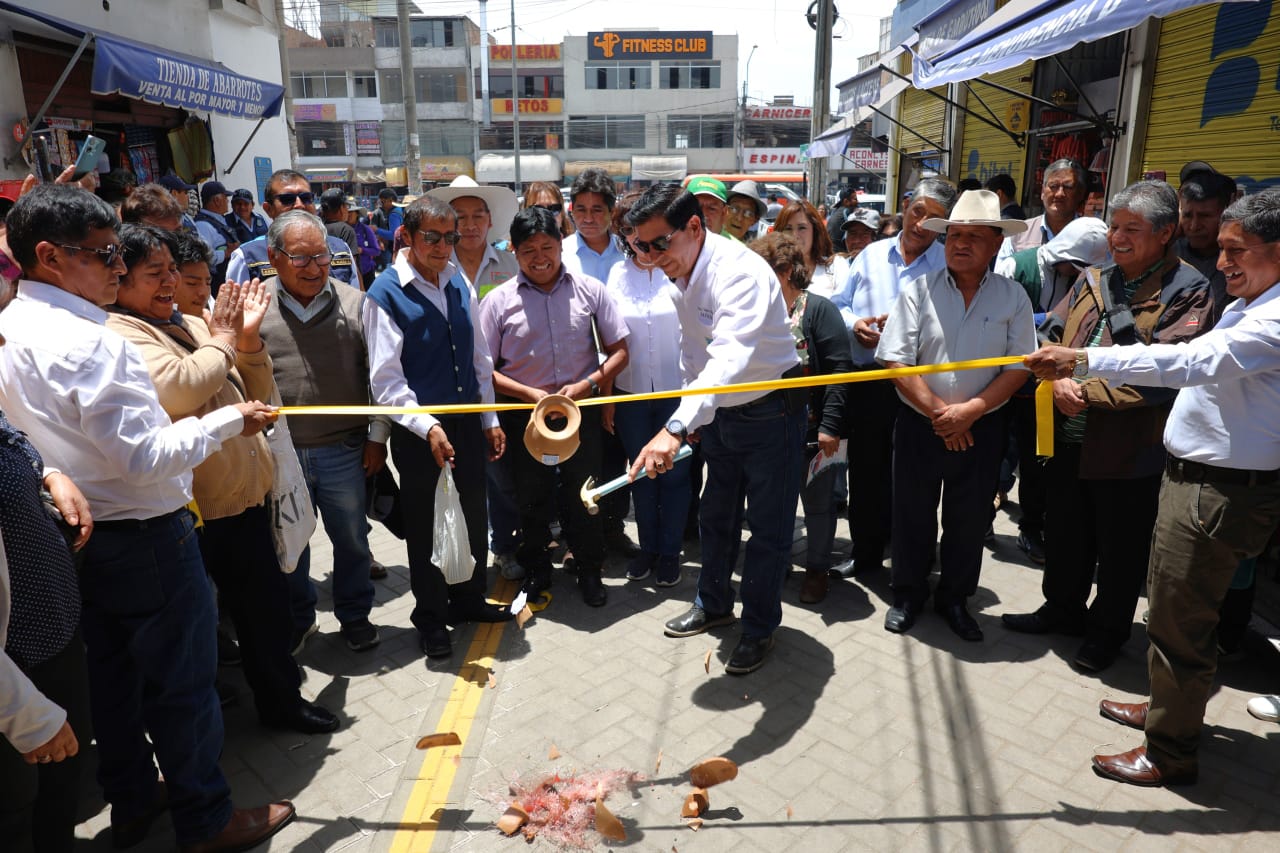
pixel 1214 93
pixel 987 151
pixel 924 114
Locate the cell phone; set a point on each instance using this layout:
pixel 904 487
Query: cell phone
pixel 88 159
pixel 43 165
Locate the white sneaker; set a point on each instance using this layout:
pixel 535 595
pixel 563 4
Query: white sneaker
pixel 507 565
pixel 1265 708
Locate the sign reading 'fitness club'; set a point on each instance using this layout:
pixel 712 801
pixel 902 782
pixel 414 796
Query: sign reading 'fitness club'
pixel 649 44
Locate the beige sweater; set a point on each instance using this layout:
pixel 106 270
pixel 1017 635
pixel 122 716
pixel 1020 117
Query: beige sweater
pixel 195 383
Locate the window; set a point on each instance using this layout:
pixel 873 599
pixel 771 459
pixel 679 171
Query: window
pixel 619 75
pixel 389 89
pixel 534 84
pixel 689 74
pixel 776 134
pixel 357 32
pixel 386 33
pixel 434 138
pixel 534 136
pixel 713 131
pixel 364 84
pixel 321 139
pixel 318 84
pixel 447 86
pixel 606 131
pixel 422 33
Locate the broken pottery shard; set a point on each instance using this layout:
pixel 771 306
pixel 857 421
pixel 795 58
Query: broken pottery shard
pixel 512 819
pixel 493 682
pixel 553 753
pixel 523 616
pixel 694 823
pixel 457 760
pixel 790 811
pixel 695 804
pixel 712 771
pixel 658 764
pixel 608 825
pixel 706 662
pixel 439 739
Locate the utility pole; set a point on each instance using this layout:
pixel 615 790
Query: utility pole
pixel 515 97
pixel 821 96
pixel 412 165
pixel 287 105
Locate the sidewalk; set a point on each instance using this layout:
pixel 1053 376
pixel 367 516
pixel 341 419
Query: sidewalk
pixel 848 738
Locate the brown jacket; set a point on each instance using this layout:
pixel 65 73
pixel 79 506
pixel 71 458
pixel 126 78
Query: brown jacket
pixel 196 379
pixel 1123 437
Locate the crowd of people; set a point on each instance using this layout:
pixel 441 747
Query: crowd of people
pixel 145 353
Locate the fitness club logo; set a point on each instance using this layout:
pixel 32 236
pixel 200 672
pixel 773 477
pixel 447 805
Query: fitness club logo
pixel 607 42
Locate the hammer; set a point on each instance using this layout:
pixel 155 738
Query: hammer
pixel 590 495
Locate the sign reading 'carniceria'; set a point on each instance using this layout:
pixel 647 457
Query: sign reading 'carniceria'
pixel 649 44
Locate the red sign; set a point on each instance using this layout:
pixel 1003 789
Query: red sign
pixel 772 157
pixel 525 52
pixel 777 113
pixel 868 160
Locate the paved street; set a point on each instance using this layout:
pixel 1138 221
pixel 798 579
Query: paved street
pixel 849 738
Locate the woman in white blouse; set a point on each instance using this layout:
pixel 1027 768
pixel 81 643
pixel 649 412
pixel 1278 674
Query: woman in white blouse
pixel 801 220
pixel 643 296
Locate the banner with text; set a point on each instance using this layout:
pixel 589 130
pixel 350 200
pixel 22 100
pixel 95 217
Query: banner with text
pixel 651 44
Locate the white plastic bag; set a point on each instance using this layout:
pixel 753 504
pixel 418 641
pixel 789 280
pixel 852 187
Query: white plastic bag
pixel 450 546
pixel 293 518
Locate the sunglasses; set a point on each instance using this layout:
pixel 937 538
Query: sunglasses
pixel 300 261
pixel 288 199
pixel 432 237
pixel 657 244
pixel 108 255
pixel 552 208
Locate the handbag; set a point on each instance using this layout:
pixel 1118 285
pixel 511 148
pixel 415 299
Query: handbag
pixel 450 548
pixel 293 517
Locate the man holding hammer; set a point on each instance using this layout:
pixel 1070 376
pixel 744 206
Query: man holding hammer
pixel 734 329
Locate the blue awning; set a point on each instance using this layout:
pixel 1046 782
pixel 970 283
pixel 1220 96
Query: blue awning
pixel 159 76
pixel 1044 29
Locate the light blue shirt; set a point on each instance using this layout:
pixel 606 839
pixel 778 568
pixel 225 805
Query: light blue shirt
pixel 580 258
pixel 874 281
pixel 305 312
pixel 1228 411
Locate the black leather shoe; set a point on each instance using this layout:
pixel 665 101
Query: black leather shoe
pixel 593 591
pixel 748 655
pixel 306 717
pixel 1032 544
pixel 1042 621
pixel 435 643
pixel 481 611
pixel 620 543
pixel 961 623
pixel 900 618
pixel 695 621
pixel 1095 656
pixel 131 833
pixel 536 582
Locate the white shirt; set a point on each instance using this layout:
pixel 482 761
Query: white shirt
pixel 824 278
pixel 385 341
pixel 83 395
pixel 734 328
pixel 873 283
pixel 929 324
pixel 1228 413
pixel 645 300
pixel 28 718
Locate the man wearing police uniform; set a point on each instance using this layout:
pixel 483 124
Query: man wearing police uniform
pixel 288 190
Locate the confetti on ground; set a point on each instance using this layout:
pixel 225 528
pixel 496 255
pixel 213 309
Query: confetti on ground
pixel 712 771
pixel 562 808
pixel 706 662
pixel 439 739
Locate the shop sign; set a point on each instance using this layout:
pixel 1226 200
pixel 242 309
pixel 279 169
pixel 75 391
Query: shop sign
pixel 68 123
pixel 985 169
pixel 1017 115
pixel 445 168
pixel 869 160
pixel 315 112
pixel 367 137
pixel 525 52
pixel 951 23
pixel 780 113
pixel 772 158
pixel 649 44
pixel 541 106
pixel 860 91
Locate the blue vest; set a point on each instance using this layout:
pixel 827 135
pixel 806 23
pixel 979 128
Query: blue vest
pixel 436 356
pixel 341 267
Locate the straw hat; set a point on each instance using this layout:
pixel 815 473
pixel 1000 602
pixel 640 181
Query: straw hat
pixel 977 207
pixel 501 201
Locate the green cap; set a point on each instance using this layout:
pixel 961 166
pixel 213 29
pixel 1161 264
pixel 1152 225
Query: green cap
pixel 707 185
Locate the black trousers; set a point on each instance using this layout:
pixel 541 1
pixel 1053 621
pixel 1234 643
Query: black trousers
pixel 1032 487
pixel 872 412
pixel 240 556
pixel 38 801
pixel 541 490
pixel 419 475
pixel 613 461
pixel 1105 524
pixel 965 480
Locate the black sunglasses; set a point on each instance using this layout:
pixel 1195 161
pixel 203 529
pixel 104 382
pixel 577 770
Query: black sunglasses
pixel 657 244
pixel 108 254
pixel 288 199
pixel 450 238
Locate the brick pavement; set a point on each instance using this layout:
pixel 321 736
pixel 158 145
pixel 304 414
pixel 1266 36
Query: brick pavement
pixel 849 738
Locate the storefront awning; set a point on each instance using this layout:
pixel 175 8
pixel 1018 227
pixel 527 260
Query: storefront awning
pixel 327 174
pixel 161 76
pixel 501 168
pixel 446 167
pixel 1037 29
pixel 615 168
pixel 873 87
pixel 672 167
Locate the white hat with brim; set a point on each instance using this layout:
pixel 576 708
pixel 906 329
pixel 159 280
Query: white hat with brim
pixel 976 207
pixel 501 201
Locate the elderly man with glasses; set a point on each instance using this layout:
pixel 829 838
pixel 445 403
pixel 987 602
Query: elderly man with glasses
pixel 425 348
pixel 1066 186
pixel 744 210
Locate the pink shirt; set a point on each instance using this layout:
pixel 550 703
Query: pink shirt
pixel 544 339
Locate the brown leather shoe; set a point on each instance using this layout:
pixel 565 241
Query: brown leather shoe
pixel 247 828
pixel 1136 768
pixel 1131 714
pixel 814 588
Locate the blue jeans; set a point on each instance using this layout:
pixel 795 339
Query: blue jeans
pixel 753 453
pixel 661 504
pixel 335 478
pixel 504 511
pixel 149 629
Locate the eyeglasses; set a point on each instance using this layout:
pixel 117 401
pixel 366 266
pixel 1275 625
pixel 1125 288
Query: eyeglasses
pixel 657 244
pixel 301 261
pixel 552 208
pixel 108 254
pixel 1066 188
pixel 450 238
pixel 744 212
pixel 288 199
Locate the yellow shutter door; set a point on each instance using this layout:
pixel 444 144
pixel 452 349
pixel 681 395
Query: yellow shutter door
pixel 987 151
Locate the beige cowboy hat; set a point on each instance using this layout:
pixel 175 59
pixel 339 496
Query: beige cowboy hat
pixel 501 201
pixel 977 207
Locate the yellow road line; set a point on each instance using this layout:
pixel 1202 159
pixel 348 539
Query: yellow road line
pixel 430 794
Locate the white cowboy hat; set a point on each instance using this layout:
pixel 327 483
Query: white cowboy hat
pixel 501 201
pixel 977 207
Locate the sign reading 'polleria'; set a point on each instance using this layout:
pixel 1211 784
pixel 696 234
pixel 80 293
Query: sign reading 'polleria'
pixel 649 44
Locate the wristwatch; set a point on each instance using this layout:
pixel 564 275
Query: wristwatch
pixel 678 429
pixel 1082 364
pixel 595 387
